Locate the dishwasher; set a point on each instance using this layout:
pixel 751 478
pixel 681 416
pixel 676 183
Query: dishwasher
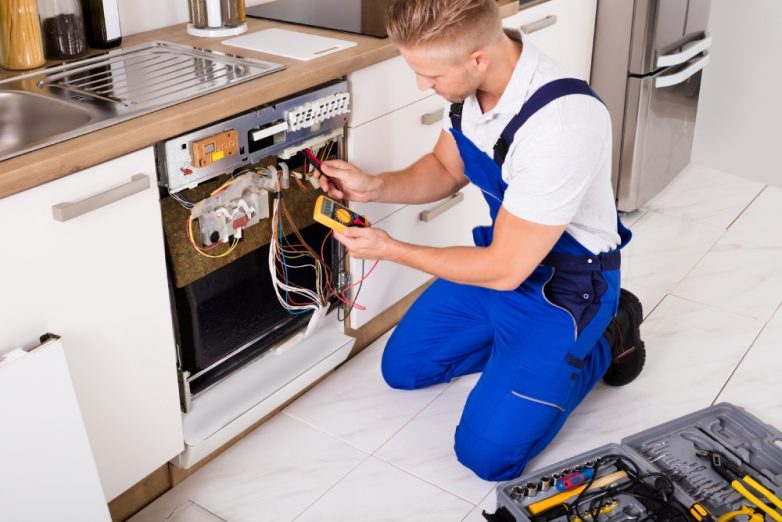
pixel 258 289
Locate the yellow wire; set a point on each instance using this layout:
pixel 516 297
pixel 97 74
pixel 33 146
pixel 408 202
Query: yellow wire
pixel 223 186
pixel 210 256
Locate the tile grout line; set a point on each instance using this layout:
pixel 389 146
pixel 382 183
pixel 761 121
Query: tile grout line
pixel 351 470
pixel 397 467
pixel 325 432
pixel 746 352
pixel 747 207
pixel 715 307
pixel 709 251
pixel 383 444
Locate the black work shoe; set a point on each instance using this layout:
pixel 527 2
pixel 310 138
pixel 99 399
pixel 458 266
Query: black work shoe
pixel 624 335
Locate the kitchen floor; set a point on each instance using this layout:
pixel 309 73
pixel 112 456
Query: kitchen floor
pixel 704 261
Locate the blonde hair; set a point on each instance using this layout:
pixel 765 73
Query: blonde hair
pixel 455 23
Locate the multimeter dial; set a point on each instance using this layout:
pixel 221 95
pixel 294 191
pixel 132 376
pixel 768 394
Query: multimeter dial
pixel 342 215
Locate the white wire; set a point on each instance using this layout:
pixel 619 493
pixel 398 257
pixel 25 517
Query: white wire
pixel 317 300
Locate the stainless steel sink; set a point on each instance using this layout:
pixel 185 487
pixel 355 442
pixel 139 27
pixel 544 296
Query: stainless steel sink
pixel 54 104
pixel 27 118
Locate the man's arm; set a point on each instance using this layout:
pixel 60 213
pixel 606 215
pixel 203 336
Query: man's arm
pixel 435 176
pixel 517 248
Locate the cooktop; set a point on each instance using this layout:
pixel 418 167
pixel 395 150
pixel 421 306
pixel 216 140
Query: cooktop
pixel 362 17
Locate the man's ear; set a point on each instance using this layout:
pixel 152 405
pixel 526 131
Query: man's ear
pixel 480 59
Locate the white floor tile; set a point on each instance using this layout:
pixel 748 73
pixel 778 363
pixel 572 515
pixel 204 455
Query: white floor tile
pixel 649 297
pixel 378 492
pixel 741 273
pixel 274 473
pixel 425 446
pixel 476 515
pixel 755 384
pixel 759 224
pixel 741 279
pixel 356 405
pixel 629 219
pixel 664 249
pixel 192 512
pixel 705 195
pixel 687 343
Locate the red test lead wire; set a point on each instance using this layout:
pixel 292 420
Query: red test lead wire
pixel 317 164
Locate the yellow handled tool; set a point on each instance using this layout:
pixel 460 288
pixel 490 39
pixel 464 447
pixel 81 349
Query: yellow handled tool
pixel 560 498
pixel 760 488
pixel 754 515
pixel 741 482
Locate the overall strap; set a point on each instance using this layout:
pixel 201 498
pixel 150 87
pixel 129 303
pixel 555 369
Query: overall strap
pixel 539 99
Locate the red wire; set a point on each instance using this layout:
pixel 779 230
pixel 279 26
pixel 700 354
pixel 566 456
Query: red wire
pixel 341 295
pixel 357 306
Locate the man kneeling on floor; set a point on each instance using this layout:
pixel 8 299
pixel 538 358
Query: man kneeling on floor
pixel 535 305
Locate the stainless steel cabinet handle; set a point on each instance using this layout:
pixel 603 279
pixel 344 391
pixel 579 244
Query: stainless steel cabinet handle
pixel 430 118
pixel 428 215
pixel 540 24
pixel 66 210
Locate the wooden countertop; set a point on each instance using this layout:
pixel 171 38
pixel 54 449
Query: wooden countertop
pixel 53 162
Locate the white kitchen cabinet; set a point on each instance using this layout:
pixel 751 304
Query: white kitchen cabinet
pixel 382 88
pixel 392 123
pixel 99 280
pixel 563 29
pixel 448 223
pixel 394 142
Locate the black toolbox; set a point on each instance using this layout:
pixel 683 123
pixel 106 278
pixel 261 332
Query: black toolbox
pixel 718 463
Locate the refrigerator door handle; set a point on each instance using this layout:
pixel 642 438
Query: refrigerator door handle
pixel 681 76
pixel 690 50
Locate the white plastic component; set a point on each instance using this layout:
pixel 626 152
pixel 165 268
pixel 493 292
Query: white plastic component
pixel 309 114
pixel 314 143
pixel 270 131
pixel 242 204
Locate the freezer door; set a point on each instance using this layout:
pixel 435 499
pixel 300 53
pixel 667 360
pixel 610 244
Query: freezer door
pixel 697 18
pixel 658 131
pixel 658 27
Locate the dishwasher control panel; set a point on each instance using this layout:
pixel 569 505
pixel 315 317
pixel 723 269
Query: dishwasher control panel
pixel 279 129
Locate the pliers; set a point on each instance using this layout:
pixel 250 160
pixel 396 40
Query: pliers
pixel 742 482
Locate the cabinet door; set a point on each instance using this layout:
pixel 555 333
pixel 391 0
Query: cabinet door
pixel 391 282
pixel 382 88
pixel 47 466
pixel 99 280
pixel 563 29
pixel 394 142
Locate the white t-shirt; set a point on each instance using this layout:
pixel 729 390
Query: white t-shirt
pixel 558 169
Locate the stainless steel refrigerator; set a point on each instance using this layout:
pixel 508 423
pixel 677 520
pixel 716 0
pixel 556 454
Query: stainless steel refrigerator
pixel 647 63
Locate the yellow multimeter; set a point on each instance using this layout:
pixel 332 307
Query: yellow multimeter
pixel 335 216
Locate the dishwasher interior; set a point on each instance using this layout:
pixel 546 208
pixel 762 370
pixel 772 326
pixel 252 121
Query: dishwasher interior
pixel 248 266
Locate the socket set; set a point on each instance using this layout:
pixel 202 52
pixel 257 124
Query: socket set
pixel 720 462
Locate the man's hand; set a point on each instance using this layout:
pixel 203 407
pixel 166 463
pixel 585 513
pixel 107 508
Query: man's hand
pixel 351 182
pixel 368 243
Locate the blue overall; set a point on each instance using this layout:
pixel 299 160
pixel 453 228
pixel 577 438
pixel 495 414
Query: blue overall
pixel 540 347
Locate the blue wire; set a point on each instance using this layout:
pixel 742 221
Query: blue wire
pixel 285 267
